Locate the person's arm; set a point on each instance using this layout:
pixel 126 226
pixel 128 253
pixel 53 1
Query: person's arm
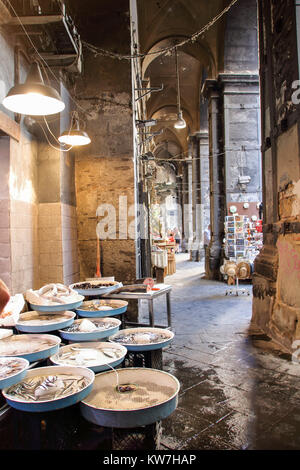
pixel 4 296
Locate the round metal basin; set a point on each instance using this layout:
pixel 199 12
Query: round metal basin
pixel 13 378
pixel 97 291
pixel 118 307
pixel 30 346
pixel 153 398
pixel 153 345
pixel 58 307
pixel 54 404
pixel 30 322
pixel 96 335
pixel 57 359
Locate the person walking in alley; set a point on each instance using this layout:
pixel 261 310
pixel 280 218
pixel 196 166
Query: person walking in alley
pixel 177 239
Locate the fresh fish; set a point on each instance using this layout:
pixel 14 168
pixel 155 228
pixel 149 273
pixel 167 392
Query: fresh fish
pixel 47 387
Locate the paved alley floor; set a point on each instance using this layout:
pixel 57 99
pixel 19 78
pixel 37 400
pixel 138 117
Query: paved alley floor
pixel 238 389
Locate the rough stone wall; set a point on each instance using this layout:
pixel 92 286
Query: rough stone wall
pixel 234 124
pixel 103 181
pixel 276 304
pixel 242 138
pixel 105 169
pixel 241 41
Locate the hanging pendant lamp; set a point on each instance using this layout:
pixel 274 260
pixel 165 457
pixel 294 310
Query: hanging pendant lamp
pixel 180 123
pixel 34 97
pixel 75 136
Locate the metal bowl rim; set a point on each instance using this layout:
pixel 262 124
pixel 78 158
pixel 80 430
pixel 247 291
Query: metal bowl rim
pixel 111 338
pixel 145 407
pixel 97 289
pixel 27 363
pixel 40 350
pixel 8 397
pixel 91 343
pixel 81 299
pixel 123 302
pixel 88 332
pixel 71 315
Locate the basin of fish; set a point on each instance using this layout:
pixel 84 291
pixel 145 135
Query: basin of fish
pixel 97 356
pixel 37 322
pixel 50 388
pixel 96 287
pixel 90 330
pixel 12 370
pixel 32 347
pixel 131 397
pixel 99 308
pixel 143 338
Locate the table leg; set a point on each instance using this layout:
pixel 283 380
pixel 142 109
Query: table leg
pixel 151 312
pixel 168 296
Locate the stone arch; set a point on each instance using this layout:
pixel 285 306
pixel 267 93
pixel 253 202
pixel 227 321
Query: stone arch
pixel 200 50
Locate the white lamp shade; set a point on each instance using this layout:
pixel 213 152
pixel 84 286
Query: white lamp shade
pixel 34 97
pixel 74 138
pixel 180 123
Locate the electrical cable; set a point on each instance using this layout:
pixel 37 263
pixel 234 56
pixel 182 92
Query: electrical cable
pixel 100 51
pixel 166 160
pixel 54 136
pixel 193 38
pixel 51 145
pixel 41 58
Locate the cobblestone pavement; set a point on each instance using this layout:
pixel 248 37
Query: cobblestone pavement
pixel 238 389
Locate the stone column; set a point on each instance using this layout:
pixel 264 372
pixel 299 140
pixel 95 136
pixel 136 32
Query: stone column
pixel 189 206
pixel 204 187
pixel 241 104
pixel 196 200
pixel 185 199
pixel 180 203
pixel 216 176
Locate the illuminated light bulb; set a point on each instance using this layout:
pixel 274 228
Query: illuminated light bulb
pixel 74 137
pixel 34 97
pixel 180 123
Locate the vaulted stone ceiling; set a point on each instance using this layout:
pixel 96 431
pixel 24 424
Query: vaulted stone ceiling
pixel 162 23
pixel 165 23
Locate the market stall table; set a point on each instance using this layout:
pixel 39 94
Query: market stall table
pixel 157 291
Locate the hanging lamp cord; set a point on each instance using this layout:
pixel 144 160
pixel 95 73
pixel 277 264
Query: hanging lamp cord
pixel 177 76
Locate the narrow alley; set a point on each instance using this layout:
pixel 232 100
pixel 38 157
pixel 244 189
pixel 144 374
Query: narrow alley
pixel 238 389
